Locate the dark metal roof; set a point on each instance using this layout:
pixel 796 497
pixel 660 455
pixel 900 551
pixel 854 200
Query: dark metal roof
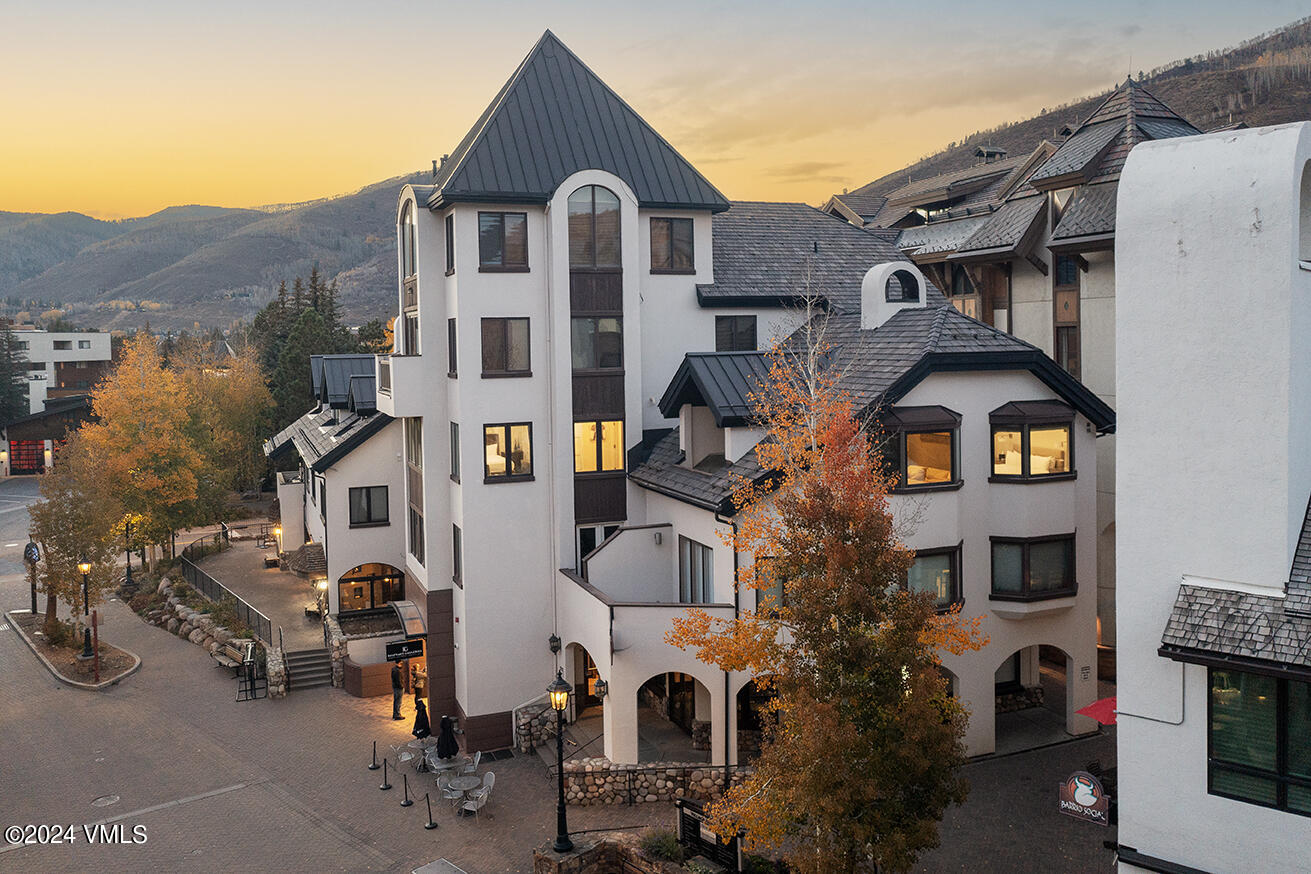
pixel 320 440
pixel 335 372
pixel 1090 211
pixel 553 118
pixel 723 381
pixel 1007 228
pixel 1020 412
pixel 771 254
pixel 362 393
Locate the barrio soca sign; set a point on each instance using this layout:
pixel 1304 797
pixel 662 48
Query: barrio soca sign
pixel 1082 797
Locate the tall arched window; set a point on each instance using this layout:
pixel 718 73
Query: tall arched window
pixel 594 228
pixel 406 242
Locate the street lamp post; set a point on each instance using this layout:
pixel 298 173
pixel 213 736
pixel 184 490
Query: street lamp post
pixel 85 567
pixel 559 691
pixel 127 545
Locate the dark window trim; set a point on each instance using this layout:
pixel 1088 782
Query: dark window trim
pixel 490 478
pixel 455 451
pixel 1025 476
pixel 368 500
pixel 414 544
pixel 958 591
pixel 457 556
pixel 452 349
pixel 1025 595
pixel 510 374
pixel 707 586
pixel 407 241
pixel 450 244
pixel 602 471
pixel 488 267
pixel 1280 776
pixel 733 332
pixel 619 233
pixel 951 485
pixel 595 316
pixel 672 271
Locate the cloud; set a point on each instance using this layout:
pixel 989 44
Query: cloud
pixel 807 171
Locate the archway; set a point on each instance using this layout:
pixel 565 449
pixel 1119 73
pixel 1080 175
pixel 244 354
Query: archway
pixel 673 719
pixel 369 586
pixel 755 717
pixel 1031 691
pixel 587 717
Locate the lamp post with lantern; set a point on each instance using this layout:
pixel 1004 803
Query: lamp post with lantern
pixel 559 691
pixel 85 567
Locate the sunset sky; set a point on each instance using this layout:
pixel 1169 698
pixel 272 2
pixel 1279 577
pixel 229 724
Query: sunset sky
pixel 120 109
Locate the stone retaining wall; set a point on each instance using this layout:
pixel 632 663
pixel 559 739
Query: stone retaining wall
pixel 533 726
pixel 276 670
pixel 336 649
pixel 598 780
pixel 1021 700
pixel 700 734
pixel 199 628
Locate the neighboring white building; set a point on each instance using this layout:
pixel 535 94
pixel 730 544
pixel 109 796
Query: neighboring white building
pixel 62 363
pixel 1214 375
pixel 554 276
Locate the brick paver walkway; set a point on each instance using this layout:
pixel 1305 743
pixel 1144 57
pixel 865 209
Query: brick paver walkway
pixel 279 595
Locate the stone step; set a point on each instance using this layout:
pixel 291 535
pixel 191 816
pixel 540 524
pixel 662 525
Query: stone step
pixel 297 685
pixel 307 673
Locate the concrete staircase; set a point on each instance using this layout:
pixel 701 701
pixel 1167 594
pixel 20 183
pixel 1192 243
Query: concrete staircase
pixel 308 668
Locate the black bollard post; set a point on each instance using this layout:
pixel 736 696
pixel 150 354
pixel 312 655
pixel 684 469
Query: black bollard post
pixel 405 778
pixel 385 785
pixel 429 824
pixel 374 765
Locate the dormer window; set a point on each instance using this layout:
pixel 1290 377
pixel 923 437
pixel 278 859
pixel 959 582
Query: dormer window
pixel 902 287
pixel 922 447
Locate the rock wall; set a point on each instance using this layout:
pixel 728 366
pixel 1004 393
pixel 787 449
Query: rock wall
pixel 1021 700
pixel 199 628
pixel 277 673
pixel 600 781
pixel 534 725
pixel 700 734
pixel 336 649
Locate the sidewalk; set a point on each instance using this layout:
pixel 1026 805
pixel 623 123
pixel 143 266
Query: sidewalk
pixel 277 594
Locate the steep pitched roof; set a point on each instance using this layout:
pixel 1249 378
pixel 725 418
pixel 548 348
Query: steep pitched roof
pixel 723 381
pixel 1090 212
pixel 321 441
pixel 939 238
pixel 663 472
pixel 552 118
pixel 332 380
pixel 771 254
pixel 1006 230
pixel 363 395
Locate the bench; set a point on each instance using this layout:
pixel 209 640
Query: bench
pixel 313 611
pixel 270 561
pixel 234 653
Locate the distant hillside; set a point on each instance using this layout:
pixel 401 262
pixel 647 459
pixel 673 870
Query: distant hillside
pixel 202 264
pixel 1266 80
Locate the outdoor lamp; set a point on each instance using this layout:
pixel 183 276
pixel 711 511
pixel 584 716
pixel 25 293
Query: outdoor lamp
pixel 277 530
pixel 600 688
pixel 559 691
pixel 85 567
pixel 323 585
pixel 554 642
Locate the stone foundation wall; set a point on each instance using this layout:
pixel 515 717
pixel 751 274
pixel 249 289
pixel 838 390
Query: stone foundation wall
pixel 600 781
pixel 534 725
pixel 277 673
pixel 337 650
pixel 1021 700
pixel 748 741
pixel 700 734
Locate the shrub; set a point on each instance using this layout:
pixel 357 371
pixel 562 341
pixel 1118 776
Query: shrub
pixel 695 867
pixel 63 634
pixel 662 844
pixel 761 865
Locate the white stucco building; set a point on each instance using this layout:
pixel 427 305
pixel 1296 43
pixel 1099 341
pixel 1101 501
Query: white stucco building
pixel 62 363
pixel 555 276
pixel 1214 554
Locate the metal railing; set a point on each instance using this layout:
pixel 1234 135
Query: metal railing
pixel 215 591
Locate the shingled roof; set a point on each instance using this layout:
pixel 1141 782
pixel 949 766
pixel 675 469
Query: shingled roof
pixel 553 118
pixel 663 472
pixel 772 254
pixel 320 439
pixel 1091 212
pixel 1006 229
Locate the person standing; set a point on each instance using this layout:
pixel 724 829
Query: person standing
pixel 397 689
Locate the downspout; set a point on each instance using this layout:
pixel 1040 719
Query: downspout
pixel 550 440
pixel 728 700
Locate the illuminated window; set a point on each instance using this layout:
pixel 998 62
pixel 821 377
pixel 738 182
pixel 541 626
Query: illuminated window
pixel 1031 440
pixel 507 451
pixel 921 448
pixel 598 446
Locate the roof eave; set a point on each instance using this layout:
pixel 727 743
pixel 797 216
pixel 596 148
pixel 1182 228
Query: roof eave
pixel 1085 243
pixel 711 300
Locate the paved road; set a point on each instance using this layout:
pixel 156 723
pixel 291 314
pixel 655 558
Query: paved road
pixel 282 785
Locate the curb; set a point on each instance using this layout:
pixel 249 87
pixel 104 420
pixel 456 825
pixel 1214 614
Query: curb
pixel 93 687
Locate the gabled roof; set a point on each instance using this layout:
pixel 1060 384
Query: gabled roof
pixel 771 254
pixel 321 441
pixel 1007 231
pixel 331 376
pixel 857 208
pixel 722 381
pixel 953 184
pixel 939 238
pixel 1090 213
pixel 362 394
pixel 553 118
pixel 663 472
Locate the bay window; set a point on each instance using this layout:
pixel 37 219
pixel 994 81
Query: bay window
pixel 922 449
pixel 1031 440
pixel 1033 569
pixel 936 572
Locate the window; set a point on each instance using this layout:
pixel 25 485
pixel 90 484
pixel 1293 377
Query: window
pixel 1031 440
pixel 902 287
pixel 84 344
pixel 921 449
pixel 416 534
pixel 597 343
pixel 962 294
pixel 21 345
pixel 455 451
pixel 368 506
pixel 63 344
pixel 937 573
pixel 598 446
pixel 507 451
pixel 696 572
pixel 735 333
pixel 1030 570
pixel 1065 303
pixel 451 356
pixel 323 499
pixel 368 587
pixel 771 582
pixel 407 241
pixel 414 442
pixel 589 538
pixel 502 241
pixel 411 334
pixel 505 347
pixel 671 245
pixel 450 244
pixel 1257 728
pixel 457 556
pixel 593 229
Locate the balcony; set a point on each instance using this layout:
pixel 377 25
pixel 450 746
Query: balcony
pixel 400 385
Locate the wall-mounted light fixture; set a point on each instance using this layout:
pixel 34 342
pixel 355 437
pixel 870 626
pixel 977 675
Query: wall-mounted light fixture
pixel 554 641
pixel 600 688
pixel 660 537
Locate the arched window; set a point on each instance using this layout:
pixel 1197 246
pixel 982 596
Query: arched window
pixel 406 242
pixel 902 287
pixel 1304 219
pixel 594 228
pixel 960 281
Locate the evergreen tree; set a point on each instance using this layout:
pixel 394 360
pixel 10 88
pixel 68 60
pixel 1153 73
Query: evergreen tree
pixel 373 337
pixel 297 298
pixel 13 377
pixel 292 390
pixel 316 290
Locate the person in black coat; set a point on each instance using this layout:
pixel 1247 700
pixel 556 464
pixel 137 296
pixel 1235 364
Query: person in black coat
pixel 397 689
pixel 421 726
pixel 447 747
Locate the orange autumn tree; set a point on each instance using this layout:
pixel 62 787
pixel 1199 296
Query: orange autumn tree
pixel 863 756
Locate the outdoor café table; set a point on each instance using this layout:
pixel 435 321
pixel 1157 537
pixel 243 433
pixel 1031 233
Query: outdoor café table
pixel 464 784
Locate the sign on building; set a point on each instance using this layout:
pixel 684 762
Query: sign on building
pixel 1082 797
pixel 404 649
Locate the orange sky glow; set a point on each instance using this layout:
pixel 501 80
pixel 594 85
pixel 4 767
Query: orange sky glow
pixel 119 110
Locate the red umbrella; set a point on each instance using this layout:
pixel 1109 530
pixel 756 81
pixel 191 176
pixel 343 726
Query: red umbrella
pixel 1103 711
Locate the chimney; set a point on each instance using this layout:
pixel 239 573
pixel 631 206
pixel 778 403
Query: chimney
pixel 887 289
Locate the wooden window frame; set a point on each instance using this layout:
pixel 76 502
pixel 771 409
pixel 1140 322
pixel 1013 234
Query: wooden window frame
pixel 733 332
pixel 491 267
pixel 1073 325
pixel 1281 776
pixel 370 521
pixel 1025 593
pixel 505 372
pixel 496 478
pixel 671 270
pixel 600 470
